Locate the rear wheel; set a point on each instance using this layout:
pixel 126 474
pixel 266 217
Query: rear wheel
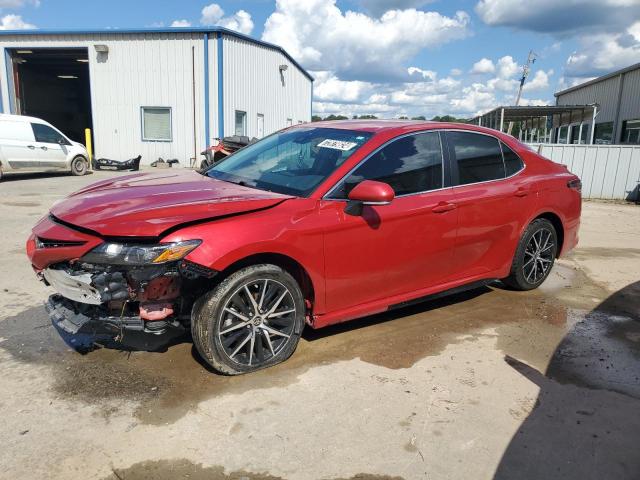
pixel 79 166
pixel 251 320
pixel 534 256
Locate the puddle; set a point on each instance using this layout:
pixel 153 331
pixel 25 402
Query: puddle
pixel 527 325
pixel 173 469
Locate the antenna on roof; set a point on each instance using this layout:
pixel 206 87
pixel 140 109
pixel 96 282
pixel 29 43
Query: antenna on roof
pixel 531 59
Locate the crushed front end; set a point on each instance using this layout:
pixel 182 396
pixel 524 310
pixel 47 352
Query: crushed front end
pixel 111 286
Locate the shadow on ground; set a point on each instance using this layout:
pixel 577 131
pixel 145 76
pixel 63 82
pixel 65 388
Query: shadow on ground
pixel 586 422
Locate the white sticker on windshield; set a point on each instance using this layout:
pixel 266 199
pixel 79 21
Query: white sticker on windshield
pixel 337 144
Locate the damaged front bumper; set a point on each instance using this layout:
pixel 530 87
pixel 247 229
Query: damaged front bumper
pixel 148 299
pixel 74 317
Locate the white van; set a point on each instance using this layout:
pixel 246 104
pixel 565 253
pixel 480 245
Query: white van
pixel 29 144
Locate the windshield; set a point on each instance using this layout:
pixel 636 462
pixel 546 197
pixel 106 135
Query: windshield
pixel 293 162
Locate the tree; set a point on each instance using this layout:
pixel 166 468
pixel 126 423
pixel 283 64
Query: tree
pixel 336 117
pixel 365 117
pixel 403 118
pixel 419 117
pixel 449 118
pixel 316 118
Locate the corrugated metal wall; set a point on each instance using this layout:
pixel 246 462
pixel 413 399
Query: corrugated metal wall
pixel 630 101
pixel 605 94
pixel 607 171
pixel 140 70
pixel 252 84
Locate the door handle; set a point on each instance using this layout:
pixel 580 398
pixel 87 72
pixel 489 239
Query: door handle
pixel 521 192
pixel 443 207
pixel 44 148
pixel 31 147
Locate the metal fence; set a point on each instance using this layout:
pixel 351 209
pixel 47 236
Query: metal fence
pixel 609 172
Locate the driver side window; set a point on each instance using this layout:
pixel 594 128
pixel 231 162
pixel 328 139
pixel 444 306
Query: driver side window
pixel 410 164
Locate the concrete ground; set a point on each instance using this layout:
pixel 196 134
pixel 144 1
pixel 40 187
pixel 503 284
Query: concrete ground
pixel 487 384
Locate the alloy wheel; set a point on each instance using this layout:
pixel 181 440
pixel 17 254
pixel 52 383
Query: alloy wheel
pixel 257 321
pixel 538 256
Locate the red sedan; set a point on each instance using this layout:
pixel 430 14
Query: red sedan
pixel 316 224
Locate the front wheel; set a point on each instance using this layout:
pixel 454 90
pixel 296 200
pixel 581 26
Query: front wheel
pixel 252 320
pixel 534 256
pixel 79 166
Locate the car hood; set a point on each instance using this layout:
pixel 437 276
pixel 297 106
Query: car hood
pixel 149 204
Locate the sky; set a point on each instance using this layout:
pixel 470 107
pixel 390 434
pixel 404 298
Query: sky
pixel 394 58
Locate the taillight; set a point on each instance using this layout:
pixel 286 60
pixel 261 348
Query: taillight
pixel 575 185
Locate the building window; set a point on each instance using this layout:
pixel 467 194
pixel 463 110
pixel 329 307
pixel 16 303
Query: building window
pixel 156 124
pixel 603 134
pixel 241 123
pixel 562 134
pixel 631 131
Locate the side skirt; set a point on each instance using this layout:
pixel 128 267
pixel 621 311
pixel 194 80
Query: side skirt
pixel 444 293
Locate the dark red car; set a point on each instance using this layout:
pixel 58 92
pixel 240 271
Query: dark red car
pixel 317 224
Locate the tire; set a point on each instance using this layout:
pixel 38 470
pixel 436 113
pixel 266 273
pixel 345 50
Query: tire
pixel 534 256
pixel 79 166
pixel 231 338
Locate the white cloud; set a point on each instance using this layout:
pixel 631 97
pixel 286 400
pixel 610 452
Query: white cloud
pixel 322 37
pixel 483 65
pixel 14 22
pixel 18 3
pixel 329 88
pixel 560 17
pixel 507 67
pixel 378 7
pixel 456 72
pixel 600 54
pixel 540 81
pixel 240 21
pixel 180 23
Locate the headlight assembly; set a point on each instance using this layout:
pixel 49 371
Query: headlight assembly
pixel 139 254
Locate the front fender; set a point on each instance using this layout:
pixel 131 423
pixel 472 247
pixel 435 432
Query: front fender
pixel 290 229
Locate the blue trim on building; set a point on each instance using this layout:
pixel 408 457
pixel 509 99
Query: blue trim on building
pixel 219 30
pixel 220 54
pixel 1 102
pixel 206 90
pixel 10 89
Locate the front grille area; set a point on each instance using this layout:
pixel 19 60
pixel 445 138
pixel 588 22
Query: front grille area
pixel 50 243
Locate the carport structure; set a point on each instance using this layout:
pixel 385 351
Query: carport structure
pixel 544 124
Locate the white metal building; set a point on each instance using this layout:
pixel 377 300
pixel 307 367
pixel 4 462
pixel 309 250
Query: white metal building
pixel 155 92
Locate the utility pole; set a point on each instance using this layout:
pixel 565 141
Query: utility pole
pixel 531 59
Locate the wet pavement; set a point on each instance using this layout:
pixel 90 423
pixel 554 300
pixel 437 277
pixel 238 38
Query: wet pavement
pixel 541 384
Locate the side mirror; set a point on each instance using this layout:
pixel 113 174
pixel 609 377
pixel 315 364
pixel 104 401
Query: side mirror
pixel 368 192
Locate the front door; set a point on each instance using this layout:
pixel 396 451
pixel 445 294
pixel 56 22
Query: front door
pixel 397 248
pixel 18 145
pixel 52 146
pixel 260 129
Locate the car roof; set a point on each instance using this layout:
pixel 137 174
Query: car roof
pixel 397 126
pixel 20 118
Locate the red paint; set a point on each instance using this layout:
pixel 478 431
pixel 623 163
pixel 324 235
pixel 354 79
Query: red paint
pixel 414 246
pixel 372 191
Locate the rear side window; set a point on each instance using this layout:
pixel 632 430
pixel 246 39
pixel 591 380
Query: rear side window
pixel 46 134
pixel 512 162
pixel 20 131
pixel 411 164
pixel 478 157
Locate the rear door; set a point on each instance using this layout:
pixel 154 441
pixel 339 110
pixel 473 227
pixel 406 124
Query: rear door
pixel 52 145
pixel 18 145
pixel 493 202
pixel 397 248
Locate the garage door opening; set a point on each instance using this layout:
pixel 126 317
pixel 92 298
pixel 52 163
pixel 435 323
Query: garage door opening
pixel 53 84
